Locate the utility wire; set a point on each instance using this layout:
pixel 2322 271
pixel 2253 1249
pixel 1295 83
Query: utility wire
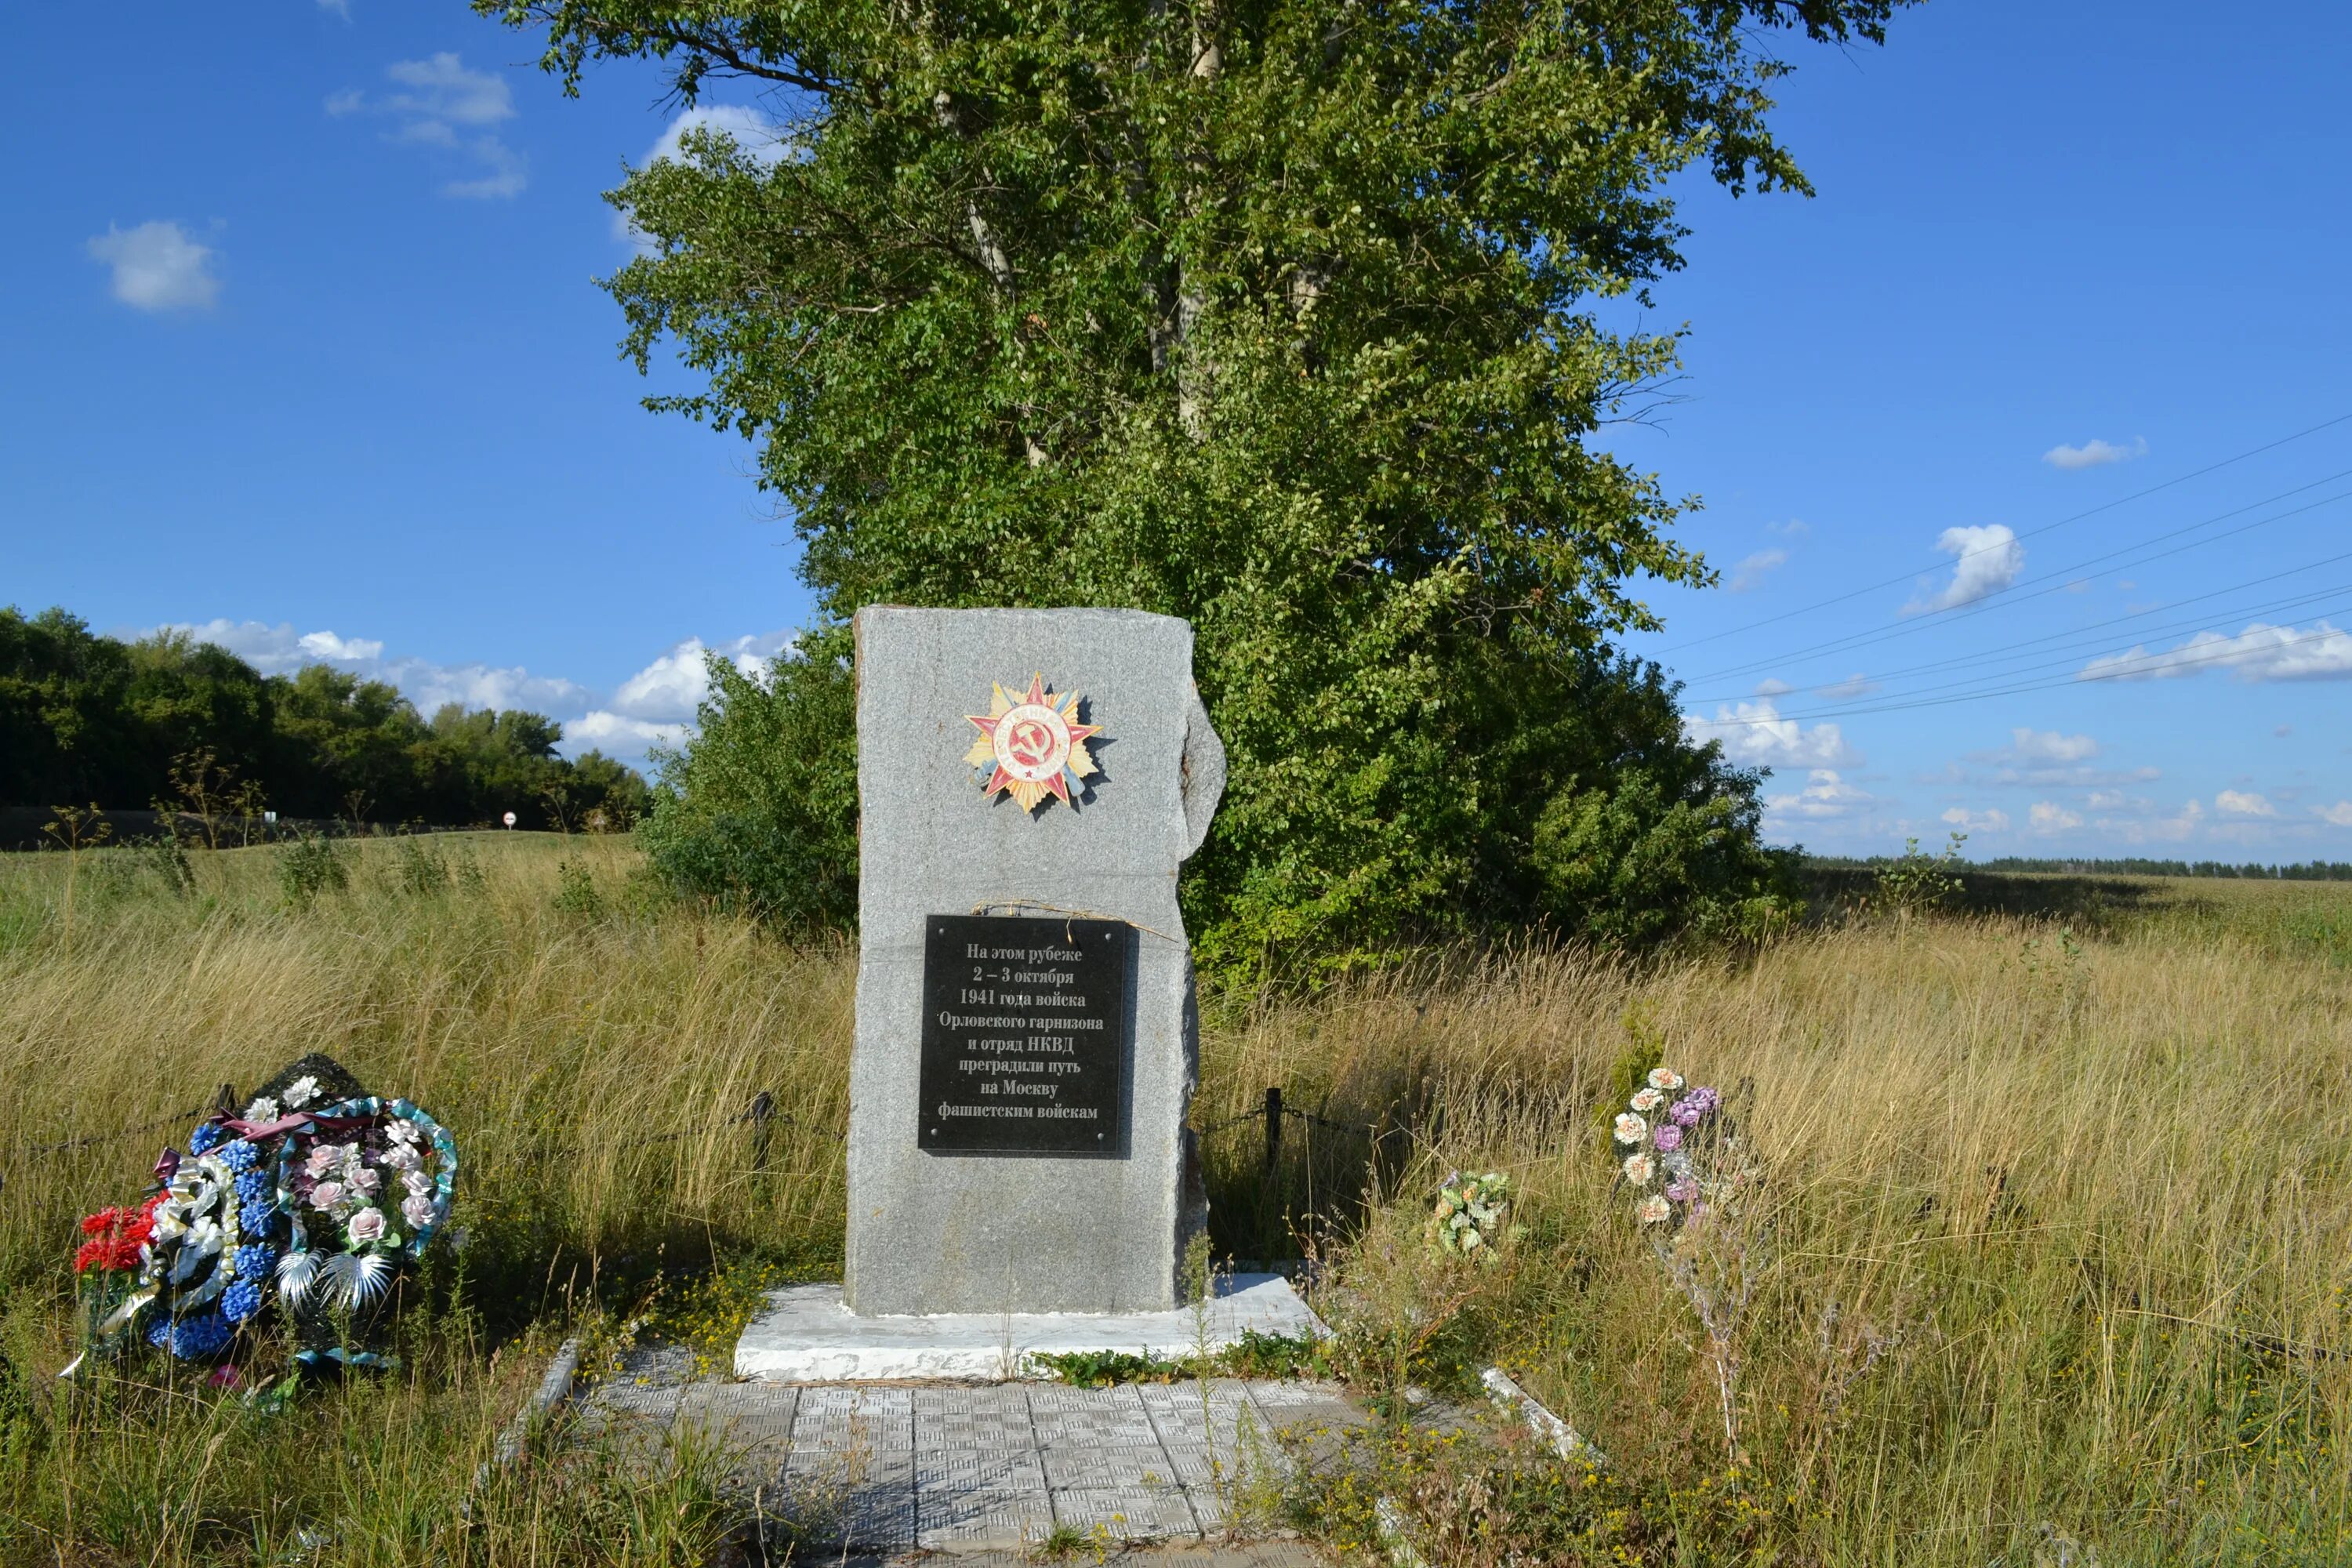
pixel 2154 665
pixel 2085 635
pixel 2029 534
pixel 2057 579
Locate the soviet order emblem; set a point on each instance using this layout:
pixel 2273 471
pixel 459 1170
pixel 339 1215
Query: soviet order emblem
pixel 1032 746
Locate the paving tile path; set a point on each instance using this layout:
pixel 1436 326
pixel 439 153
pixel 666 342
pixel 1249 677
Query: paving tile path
pixel 889 1467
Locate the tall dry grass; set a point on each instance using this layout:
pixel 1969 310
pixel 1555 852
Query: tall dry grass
pixel 2058 1243
pixel 2061 1238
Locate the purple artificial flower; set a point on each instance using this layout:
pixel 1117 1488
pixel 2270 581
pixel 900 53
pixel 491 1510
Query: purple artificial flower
pixel 1669 1137
pixel 1681 1189
pixel 1693 1108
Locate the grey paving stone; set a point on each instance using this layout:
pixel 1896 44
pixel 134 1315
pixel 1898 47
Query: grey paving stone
pixel 965 1469
pixel 1176 1413
pixel 982 1516
pixel 1127 1513
pixel 1143 1465
pixel 847 1417
pixel 974 1429
pixel 1004 1399
pixel 644 1402
pixel 1090 1417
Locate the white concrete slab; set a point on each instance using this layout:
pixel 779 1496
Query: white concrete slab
pixel 807 1335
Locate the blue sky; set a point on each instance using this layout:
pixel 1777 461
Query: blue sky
pixel 304 351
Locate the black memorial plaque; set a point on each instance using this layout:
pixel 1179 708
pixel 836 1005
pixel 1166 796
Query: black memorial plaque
pixel 1025 1035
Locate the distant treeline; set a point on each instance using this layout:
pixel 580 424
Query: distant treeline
pixel 89 720
pixel 2309 871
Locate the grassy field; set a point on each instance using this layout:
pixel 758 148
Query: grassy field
pixel 2052 1245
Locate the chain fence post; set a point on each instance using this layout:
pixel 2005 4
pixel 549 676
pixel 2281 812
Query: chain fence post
pixel 763 1112
pixel 1272 1129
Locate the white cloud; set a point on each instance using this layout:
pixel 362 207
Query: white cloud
pixel 2092 454
pixel 441 88
pixel 1794 527
pixel 2340 814
pixel 1854 685
pixel 441 104
pixel 339 7
pixel 758 138
pixel 2260 652
pixel 2106 800
pixel 1772 686
pixel 1755 568
pixel 617 736
pixel 2049 746
pixel 2049 816
pixel 2238 803
pixel 1754 735
pixel 279 649
pixel 656 706
pixel 1985 561
pixel 157 267
pixel 1994 820
pixel 1825 796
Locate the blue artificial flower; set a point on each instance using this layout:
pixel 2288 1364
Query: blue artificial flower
pixel 160 1330
pixel 206 1137
pixel 254 1261
pixel 253 1187
pixel 240 1155
pixel 193 1339
pixel 255 1219
pixel 241 1300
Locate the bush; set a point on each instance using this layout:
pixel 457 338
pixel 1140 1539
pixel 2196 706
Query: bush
pixel 759 810
pixel 310 866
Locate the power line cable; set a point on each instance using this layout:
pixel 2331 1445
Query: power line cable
pixel 2029 534
pixel 2076 635
pixel 2057 579
pixel 2157 664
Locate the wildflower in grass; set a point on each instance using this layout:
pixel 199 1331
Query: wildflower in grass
pixel 1467 1218
pixel 1703 1227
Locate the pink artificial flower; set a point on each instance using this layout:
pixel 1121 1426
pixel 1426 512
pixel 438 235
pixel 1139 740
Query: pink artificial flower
pixel 326 1195
pixel 416 1209
pixel 324 1157
pixel 366 1225
pixel 1668 1136
pixel 366 1182
pixel 416 1182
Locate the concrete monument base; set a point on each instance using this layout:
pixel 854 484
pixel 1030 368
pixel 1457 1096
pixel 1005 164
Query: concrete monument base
pixel 807 1335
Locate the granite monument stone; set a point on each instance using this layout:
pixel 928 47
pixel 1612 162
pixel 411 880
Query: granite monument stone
pixel 1029 783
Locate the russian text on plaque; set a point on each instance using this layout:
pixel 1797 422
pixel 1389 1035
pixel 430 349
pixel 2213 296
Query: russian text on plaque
pixel 1025 1026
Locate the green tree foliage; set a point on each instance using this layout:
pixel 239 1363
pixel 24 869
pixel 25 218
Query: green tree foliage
pixel 1280 315
pixel 92 718
pixel 759 811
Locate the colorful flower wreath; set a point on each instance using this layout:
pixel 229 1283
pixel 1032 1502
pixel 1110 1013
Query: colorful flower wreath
pixel 245 1214
pixel 364 1188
